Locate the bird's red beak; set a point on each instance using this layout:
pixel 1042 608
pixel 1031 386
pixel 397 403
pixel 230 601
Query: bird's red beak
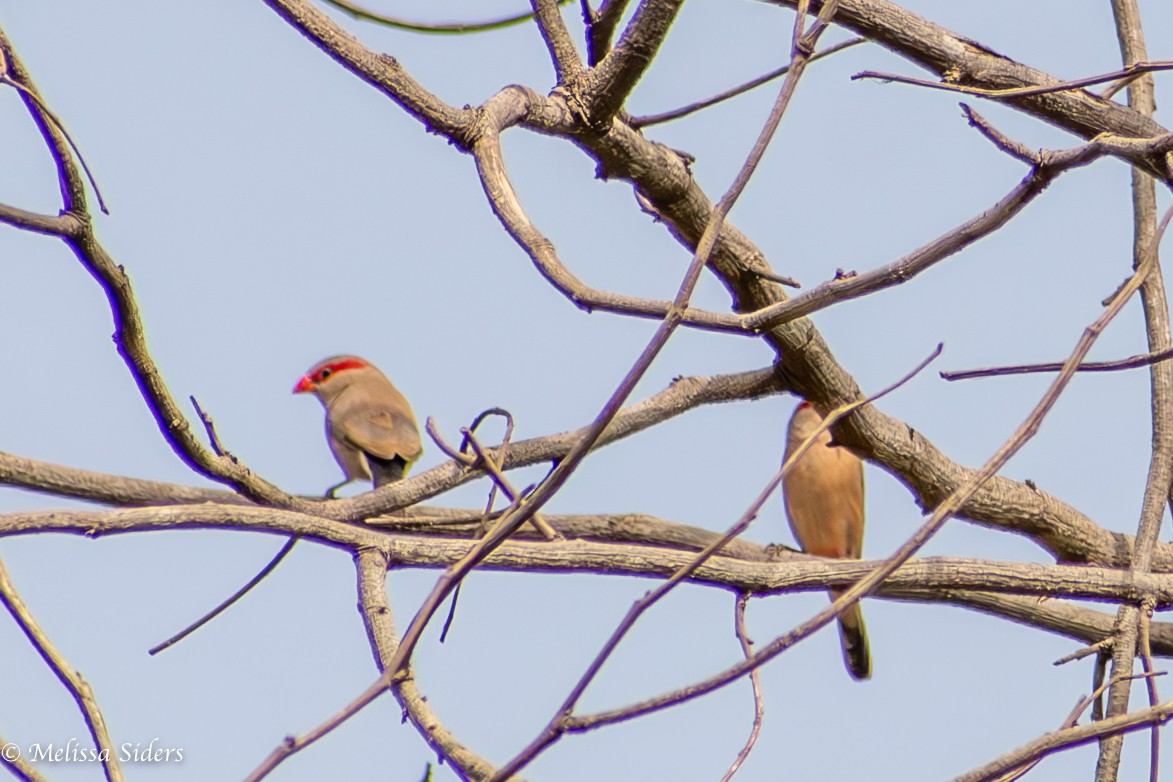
pixel 303 385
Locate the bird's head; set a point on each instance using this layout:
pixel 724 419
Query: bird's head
pixel 329 376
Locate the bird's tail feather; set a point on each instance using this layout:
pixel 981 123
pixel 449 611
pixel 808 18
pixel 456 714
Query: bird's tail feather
pixel 853 636
pixel 384 471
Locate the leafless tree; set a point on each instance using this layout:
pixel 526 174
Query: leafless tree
pixel 587 110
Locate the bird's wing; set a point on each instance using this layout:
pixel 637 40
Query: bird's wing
pixel 381 432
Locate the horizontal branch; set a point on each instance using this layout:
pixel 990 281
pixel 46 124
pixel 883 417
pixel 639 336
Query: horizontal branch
pixel 926 579
pixel 1132 362
pixel 53 225
pixel 682 395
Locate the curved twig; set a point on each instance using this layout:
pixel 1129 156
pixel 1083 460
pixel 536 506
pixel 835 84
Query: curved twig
pixel 437 28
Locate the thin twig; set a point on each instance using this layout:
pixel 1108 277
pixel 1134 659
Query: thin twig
pixel 237 595
pixel 455 454
pixel 1022 92
pixel 1046 167
pixel 1071 737
pixel 436 28
pixel 209 428
pixel 1097 648
pixel 30 94
pixel 1070 721
pixel 755 683
pixel 648 120
pixel 1132 362
pixel 486 459
pixel 1151 674
pixel 69 678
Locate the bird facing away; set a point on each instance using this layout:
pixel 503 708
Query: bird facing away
pixel 823 494
pixel 369 425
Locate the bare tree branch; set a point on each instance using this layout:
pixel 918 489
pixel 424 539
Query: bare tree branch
pixel 504 110
pixel 70 679
pixel 1146 237
pixel 966 62
pixel 1132 362
pixel 608 84
pixel 755 684
pixel 439 28
pixel 371 565
pixel 1071 737
pixel 563 53
pixel 382 72
pixel 648 120
pixel 1046 167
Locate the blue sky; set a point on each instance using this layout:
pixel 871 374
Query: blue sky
pixel 271 210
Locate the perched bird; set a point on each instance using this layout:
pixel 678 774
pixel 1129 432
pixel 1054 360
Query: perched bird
pixel 823 494
pixel 369 425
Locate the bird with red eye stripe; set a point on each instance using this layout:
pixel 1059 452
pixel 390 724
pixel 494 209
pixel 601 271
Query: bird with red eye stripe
pixel 369 425
pixel 823 494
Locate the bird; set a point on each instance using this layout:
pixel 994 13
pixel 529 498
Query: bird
pixel 823 495
pixel 369 425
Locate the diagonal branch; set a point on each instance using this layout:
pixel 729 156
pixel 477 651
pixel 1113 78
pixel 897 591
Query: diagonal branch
pixel 1071 737
pixel 381 71
pixel 129 334
pixel 1047 166
pixel 966 62
pixel 69 678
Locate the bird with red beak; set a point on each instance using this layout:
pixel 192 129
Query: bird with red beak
pixel 369 425
pixel 823 494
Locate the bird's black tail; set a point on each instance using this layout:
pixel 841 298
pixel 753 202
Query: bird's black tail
pixel 384 471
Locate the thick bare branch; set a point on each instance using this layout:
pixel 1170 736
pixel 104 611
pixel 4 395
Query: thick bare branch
pixel 797 572
pixel 563 52
pixel 966 62
pixel 607 85
pixel 381 71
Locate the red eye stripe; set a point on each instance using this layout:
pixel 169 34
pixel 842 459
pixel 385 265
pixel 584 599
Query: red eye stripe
pixel 337 366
